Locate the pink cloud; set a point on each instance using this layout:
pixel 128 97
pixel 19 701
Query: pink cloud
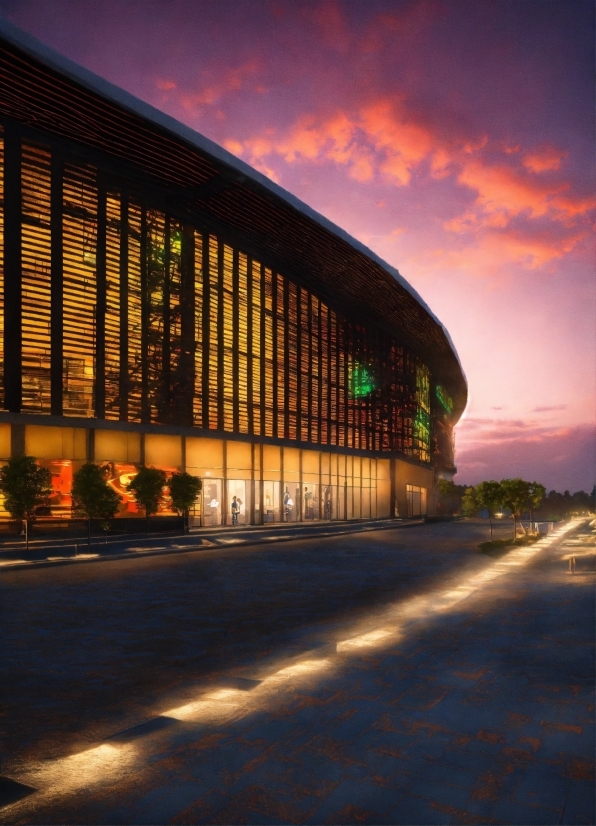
pixel 165 85
pixel 546 159
pixel 215 86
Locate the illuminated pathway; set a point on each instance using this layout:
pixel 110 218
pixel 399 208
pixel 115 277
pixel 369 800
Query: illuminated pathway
pixel 471 703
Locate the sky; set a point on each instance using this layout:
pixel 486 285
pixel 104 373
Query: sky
pixel 455 138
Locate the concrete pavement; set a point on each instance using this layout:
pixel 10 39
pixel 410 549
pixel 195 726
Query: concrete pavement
pixel 467 699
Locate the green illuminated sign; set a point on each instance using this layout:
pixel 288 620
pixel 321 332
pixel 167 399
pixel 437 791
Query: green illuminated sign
pixel 445 400
pixel 361 381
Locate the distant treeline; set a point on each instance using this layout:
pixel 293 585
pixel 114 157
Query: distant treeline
pixel 553 506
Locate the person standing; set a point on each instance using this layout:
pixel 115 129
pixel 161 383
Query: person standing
pixel 235 510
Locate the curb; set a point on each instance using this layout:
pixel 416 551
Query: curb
pixel 269 540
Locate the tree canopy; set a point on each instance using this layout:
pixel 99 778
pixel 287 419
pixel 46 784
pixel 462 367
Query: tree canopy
pixel 184 490
pixel 25 486
pixel 91 494
pixel 147 488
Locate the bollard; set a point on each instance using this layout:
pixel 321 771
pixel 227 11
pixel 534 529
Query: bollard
pixel 571 564
pixel 76 549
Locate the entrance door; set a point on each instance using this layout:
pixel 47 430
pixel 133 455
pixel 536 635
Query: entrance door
pixel 236 493
pixel 212 489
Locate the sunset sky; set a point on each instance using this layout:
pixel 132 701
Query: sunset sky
pixel 455 138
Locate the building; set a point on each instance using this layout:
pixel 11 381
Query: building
pixel 166 304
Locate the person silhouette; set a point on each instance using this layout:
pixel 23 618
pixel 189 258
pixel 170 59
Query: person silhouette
pixel 235 510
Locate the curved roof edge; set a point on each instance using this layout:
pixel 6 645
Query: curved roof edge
pixel 95 83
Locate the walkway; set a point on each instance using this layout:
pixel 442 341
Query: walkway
pixel 467 703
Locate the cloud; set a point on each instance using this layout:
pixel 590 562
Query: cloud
pixel 546 159
pixel 507 213
pixel 212 87
pixel 548 409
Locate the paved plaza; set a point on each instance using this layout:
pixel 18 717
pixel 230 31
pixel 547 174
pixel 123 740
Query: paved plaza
pixel 397 677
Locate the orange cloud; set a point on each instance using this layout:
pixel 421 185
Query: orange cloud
pixel 231 80
pixel 543 160
pixel 165 85
pixel 378 138
pixel 503 189
pixel 513 217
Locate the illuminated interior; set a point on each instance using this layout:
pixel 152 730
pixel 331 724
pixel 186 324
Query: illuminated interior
pixel 123 305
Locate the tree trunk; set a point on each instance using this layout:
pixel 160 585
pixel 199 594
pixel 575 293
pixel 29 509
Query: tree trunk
pixel 514 527
pixel 89 531
pixel 26 533
pixel 490 522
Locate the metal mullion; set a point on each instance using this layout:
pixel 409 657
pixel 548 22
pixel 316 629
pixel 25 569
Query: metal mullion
pixel 124 382
pixel 163 404
pixel 349 359
pixel 100 304
pixel 286 331
pixel 206 328
pixel 145 412
pixel 186 365
pixel 263 352
pixel 330 439
pixel 13 335
pixel 274 377
pixel 320 371
pixel 235 340
pixel 249 345
pixel 309 397
pixel 298 365
pixel 57 284
pixel 220 335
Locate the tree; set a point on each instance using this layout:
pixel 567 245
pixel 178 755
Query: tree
pixel 489 495
pixel 92 495
pixel 147 489
pixel 184 490
pixel 536 493
pixel 450 497
pixel 516 494
pixel 25 485
pixel 469 505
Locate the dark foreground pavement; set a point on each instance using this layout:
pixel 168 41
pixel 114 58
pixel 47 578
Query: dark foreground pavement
pixel 394 678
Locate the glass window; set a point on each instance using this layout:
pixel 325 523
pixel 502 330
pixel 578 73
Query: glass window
pixel 237 502
pixel 291 501
pixel 212 505
pixel 416 497
pixel 310 502
pixel 271 510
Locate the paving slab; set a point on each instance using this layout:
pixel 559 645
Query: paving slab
pixel 435 704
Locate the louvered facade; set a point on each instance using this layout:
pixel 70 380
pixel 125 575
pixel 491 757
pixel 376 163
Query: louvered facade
pixel 164 304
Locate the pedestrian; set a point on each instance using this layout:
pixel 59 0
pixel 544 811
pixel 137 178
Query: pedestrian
pixel 235 510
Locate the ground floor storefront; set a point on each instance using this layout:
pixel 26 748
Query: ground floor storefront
pixel 244 482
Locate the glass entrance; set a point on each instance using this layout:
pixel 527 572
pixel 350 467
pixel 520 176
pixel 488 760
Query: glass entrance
pixel 291 502
pixel 237 504
pixel 212 513
pixel 310 502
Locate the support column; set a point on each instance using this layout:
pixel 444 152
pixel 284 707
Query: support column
pixel 13 361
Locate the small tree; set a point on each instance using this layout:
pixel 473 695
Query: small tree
pixel 147 489
pixel 92 495
pixel 25 485
pixel 469 505
pixel 536 493
pixel 516 494
pixel 489 495
pixel 184 490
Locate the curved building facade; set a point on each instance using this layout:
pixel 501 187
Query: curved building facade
pixel 165 304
